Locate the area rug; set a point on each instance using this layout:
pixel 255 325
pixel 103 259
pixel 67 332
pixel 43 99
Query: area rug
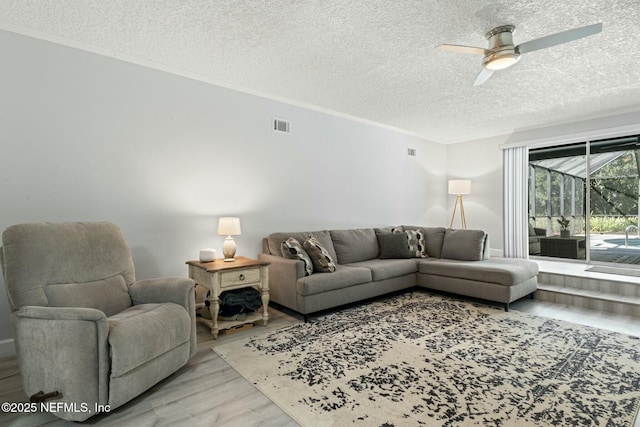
pixel 429 360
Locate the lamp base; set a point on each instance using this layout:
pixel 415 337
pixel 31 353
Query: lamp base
pixel 463 219
pixel 229 249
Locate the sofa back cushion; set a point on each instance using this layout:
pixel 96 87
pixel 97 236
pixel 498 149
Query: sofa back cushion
pixel 274 240
pixel 434 237
pixel 464 245
pixel 355 245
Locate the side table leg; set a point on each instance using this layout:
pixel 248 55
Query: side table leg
pixel 264 294
pixel 265 306
pixel 214 308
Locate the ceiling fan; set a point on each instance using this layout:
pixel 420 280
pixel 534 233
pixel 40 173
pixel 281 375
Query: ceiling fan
pixel 502 53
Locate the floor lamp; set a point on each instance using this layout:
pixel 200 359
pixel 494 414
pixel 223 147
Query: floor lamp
pixel 459 187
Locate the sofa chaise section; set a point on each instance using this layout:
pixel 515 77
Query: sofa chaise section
pixel 500 280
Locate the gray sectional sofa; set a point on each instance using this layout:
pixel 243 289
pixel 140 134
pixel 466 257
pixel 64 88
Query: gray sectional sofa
pixel 449 260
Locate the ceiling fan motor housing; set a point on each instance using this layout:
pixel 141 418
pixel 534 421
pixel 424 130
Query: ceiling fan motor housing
pixel 503 53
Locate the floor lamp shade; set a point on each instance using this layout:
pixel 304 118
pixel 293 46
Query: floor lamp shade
pixel 459 187
pixel 229 226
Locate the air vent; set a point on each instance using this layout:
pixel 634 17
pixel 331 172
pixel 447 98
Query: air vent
pixel 280 125
pixel 411 152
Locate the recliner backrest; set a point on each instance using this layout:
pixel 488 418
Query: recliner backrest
pixel 73 264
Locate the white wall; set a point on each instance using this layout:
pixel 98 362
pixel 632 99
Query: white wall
pixel 86 137
pixel 481 162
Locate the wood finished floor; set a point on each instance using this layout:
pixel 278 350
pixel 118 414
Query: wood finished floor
pixel 208 392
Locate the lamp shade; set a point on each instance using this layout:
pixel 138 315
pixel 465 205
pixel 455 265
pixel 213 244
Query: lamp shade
pixel 459 186
pixel 229 226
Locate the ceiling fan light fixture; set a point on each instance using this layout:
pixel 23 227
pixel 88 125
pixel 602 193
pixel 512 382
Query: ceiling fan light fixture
pixel 501 62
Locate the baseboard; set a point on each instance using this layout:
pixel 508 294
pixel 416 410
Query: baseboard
pixel 7 348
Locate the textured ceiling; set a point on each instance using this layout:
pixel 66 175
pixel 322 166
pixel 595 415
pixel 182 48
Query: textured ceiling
pixel 372 59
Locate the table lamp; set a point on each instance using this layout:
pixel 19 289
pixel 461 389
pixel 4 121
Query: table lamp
pixel 459 187
pixel 229 226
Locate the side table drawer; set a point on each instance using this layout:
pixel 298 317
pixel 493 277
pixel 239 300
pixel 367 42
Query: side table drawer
pixel 233 278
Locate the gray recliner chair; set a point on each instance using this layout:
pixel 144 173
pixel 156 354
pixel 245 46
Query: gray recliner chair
pixel 83 325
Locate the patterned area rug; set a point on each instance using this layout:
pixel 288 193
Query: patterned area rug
pixel 422 359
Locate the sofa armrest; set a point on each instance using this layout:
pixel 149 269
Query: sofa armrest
pixel 178 290
pixel 56 341
pixel 283 275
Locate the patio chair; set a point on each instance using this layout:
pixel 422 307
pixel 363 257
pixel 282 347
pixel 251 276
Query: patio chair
pixel 534 239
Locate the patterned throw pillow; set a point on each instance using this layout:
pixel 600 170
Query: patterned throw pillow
pixel 417 243
pixel 292 249
pixel 321 259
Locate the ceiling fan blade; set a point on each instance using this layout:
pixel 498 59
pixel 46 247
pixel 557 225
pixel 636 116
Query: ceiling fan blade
pixel 483 76
pixel 463 49
pixel 559 38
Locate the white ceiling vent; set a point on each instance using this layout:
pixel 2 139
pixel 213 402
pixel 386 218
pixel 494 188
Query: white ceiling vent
pixel 280 125
pixel 411 152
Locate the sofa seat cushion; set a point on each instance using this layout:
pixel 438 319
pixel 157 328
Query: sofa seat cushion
pixel 343 277
pixel 501 271
pixel 382 269
pixel 143 332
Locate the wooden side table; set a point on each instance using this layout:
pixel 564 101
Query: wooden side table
pixel 219 276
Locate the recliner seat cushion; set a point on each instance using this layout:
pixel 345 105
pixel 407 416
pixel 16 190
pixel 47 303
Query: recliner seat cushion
pixel 143 332
pixel 501 271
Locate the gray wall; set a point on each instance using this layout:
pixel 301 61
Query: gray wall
pixel 87 137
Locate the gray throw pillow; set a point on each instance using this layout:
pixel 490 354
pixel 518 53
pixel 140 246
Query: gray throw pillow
pixel 393 245
pixel 320 258
pixel 293 249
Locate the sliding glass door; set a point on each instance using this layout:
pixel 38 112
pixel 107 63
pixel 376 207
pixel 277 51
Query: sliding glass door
pixel 613 187
pixel 557 203
pixel 583 201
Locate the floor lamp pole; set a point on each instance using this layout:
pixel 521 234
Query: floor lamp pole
pixel 463 219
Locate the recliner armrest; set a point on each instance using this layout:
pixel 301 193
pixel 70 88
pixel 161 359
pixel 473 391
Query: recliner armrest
pixel 64 349
pixel 178 290
pixel 162 289
pixel 60 313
